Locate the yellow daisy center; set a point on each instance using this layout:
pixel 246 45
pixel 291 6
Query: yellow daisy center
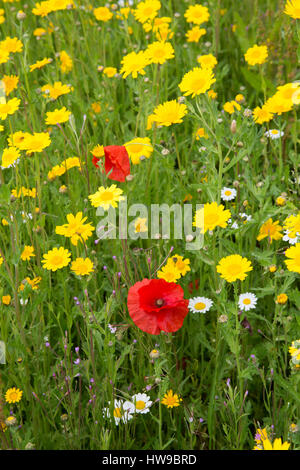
pixel 140 405
pixel 199 306
pixel 246 301
pixel 117 413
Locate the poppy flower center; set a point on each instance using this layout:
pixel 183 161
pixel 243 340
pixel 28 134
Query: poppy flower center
pixel 160 302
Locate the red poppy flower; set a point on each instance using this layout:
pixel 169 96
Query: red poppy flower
pixel 117 165
pixel 156 305
pixel 95 161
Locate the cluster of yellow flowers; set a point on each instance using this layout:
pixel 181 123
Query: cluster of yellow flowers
pixel 175 268
pixel 66 165
pixel 24 192
pixel 44 8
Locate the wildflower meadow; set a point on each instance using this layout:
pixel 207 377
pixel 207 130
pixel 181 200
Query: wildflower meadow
pixel 149 225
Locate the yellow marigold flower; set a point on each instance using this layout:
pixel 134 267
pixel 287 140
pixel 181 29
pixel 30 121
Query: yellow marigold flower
pixel 146 10
pixel 140 225
pixel 280 201
pixel 231 106
pixel 292 8
pixel 271 230
pixel 66 63
pixel 11 45
pixel 4 222
pixel 169 273
pixel 13 395
pixel 75 229
pixel 27 253
pixel 138 149
pixel 234 267
pixel 212 94
pixel 58 116
pixel 256 55
pixel 24 192
pixel 293 263
pixel 106 197
pixel 197 14
pixel 110 71
pixel 6 299
pixel 277 445
pixel 39 64
pixel 34 283
pixel 239 98
pixel 195 33
pixel 207 61
pixel 36 142
pixel 10 83
pixel 287 91
pixel 134 63
pixel 42 9
pixel 211 216
pixel 158 52
pixel 162 21
pixel 56 259
pixel 56 90
pixel 9 108
pixel 168 113
pixel 261 115
pixel 296 96
pixel 4 56
pixel 123 13
pixel 82 267
pixel 96 107
pixel 273 268
pixel 10 157
pixel 71 162
pixel 182 265
pixel 103 14
pixel 277 104
pixel 200 133
pixel 98 151
pixel 17 138
pixel 281 299
pixel 171 399
pixel 292 224
pixel 38 32
pixel 197 81
pixel 164 32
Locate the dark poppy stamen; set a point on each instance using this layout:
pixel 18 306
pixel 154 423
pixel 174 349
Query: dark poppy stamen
pixel 160 302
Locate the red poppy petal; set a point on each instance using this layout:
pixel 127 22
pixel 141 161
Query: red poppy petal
pixel 145 312
pixel 116 162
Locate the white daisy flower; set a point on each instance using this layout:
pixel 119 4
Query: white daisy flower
pixel 200 304
pixel 243 215
pixel 228 194
pixel 141 403
pixel 287 238
pixel 274 134
pixel 122 411
pixel 247 301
